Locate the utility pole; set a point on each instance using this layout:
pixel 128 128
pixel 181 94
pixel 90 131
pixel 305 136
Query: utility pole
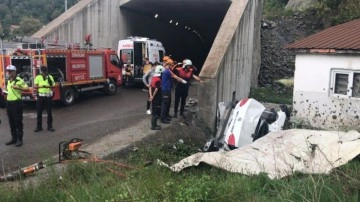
pixel 65 5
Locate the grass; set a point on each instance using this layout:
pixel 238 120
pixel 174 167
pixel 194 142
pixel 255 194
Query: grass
pixel 283 96
pixel 148 181
pixel 94 182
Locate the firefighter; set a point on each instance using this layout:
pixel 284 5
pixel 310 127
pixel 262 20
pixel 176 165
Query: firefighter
pixel 166 86
pixel 44 84
pixel 15 85
pixel 182 90
pixel 155 96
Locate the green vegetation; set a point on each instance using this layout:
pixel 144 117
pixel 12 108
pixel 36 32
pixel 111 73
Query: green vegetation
pixel 338 11
pixel 332 12
pixel 274 8
pixel 94 182
pixel 27 12
pixel 281 95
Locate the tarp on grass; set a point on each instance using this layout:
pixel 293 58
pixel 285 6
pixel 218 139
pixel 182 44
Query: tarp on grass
pixel 281 153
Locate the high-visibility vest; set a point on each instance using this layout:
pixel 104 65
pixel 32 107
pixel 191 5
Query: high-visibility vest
pixel 15 94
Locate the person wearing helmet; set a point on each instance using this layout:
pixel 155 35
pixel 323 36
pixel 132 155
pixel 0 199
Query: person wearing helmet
pixel 43 83
pixel 147 80
pixel 182 90
pixel 155 96
pixel 166 86
pixel 15 86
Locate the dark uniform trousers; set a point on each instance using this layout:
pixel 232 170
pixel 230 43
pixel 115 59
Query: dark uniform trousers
pixel 165 105
pixel 156 108
pixel 181 93
pixel 15 115
pixel 41 103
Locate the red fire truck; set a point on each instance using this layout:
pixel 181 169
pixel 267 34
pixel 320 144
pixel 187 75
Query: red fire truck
pixel 74 70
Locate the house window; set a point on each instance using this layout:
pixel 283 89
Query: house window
pixel 341 83
pixel 346 83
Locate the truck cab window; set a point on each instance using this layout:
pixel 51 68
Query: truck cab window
pixel 115 60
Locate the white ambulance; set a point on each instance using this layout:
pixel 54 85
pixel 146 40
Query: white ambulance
pixel 133 51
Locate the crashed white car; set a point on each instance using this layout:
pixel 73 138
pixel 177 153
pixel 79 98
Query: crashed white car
pixel 243 123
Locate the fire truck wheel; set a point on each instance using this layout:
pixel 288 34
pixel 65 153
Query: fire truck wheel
pixel 111 88
pixel 68 96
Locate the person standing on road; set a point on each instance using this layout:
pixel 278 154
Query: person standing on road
pixel 155 97
pixel 44 84
pixel 166 86
pixel 182 90
pixel 147 81
pixel 15 86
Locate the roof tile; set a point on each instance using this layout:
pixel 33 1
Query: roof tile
pixel 341 37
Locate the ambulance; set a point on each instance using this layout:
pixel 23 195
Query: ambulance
pixel 133 51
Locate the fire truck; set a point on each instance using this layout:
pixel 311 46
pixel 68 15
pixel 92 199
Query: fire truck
pixel 133 50
pixel 75 70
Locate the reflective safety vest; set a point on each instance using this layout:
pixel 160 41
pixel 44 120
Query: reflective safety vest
pixel 15 94
pixel 41 81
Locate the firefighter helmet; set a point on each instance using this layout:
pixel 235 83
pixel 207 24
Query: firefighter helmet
pixel 158 70
pixel 187 62
pixel 11 68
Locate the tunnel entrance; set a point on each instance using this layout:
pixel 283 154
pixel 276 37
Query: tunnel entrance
pixel 187 28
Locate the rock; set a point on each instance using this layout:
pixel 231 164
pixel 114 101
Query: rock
pixel 277 62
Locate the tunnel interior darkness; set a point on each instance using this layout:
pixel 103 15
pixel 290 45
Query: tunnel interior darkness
pixel 187 28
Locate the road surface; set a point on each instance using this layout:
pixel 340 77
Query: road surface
pixel 90 118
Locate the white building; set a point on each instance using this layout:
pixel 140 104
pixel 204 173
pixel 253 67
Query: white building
pixel 327 78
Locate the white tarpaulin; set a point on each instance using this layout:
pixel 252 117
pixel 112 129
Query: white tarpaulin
pixel 282 153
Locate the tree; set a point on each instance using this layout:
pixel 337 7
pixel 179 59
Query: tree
pixel 28 26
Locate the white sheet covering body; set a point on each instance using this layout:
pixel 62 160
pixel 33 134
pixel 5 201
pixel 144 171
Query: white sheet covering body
pixel 281 153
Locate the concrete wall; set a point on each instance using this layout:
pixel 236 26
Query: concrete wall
pixel 234 59
pixel 315 103
pixel 102 19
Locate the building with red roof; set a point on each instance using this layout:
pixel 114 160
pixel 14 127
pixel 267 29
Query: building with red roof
pixel 327 78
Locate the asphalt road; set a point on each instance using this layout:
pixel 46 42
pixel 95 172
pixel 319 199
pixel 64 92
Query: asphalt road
pixel 90 118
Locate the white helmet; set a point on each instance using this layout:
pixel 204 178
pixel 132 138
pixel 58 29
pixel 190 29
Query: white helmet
pixel 158 70
pixel 11 68
pixel 187 62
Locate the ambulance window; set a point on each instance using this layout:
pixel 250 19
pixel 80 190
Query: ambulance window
pixel 127 56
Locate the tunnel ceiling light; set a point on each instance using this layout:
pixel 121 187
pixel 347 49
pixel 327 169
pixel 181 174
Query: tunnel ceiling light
pixel 170 21
pixel 177 23
pixel 156 15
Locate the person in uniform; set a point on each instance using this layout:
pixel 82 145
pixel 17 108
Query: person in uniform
pixel 182 90
pixel 155 96
pixel 15 86
pixel 167 77
pixel 44 84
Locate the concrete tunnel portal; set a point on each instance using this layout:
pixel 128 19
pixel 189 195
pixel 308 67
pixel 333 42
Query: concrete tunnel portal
pixel 187 28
